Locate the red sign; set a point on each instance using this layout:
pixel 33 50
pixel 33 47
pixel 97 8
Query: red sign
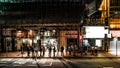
pixel 81 39
pixel 72 36
pixel 71 32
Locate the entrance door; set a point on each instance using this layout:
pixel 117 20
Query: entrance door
pixel 72 41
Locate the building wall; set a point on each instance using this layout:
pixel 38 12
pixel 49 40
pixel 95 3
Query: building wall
pixel 63 41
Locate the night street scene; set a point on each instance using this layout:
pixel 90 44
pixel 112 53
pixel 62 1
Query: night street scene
pixel 59 34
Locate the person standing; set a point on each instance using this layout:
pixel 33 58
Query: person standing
pixel 43 49
pixel 54 50
pixel 50 50
pixel 36 49
pixel 96 50
pixel 28 50
pixel 32 49
pixel 62 51
pixel 69 49
pixel 40 50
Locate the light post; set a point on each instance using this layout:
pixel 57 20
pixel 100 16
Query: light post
pixel 116 46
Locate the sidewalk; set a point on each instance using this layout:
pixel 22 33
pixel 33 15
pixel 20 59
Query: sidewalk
pixel 78 55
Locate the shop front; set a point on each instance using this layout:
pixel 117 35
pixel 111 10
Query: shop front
pixel 45 38
pixel 69 38
pixel 115 42
pixel 14 38
pixel 95 37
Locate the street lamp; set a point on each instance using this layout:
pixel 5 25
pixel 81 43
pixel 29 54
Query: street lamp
pixel 116 39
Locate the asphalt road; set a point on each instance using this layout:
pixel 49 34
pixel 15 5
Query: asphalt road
pixel 60 63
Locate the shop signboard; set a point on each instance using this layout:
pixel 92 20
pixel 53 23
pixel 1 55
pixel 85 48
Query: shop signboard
pixel 95 31
pixel 72 34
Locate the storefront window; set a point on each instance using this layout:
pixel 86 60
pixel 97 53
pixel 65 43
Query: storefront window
pixel 47 33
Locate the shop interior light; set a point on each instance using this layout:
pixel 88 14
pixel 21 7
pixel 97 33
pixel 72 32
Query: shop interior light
pixel 38 37
pixel 19 31
pixel 98 43
pixel 54 31
pixel 114 53
pixel 115 46
pixel 30 30
pixel 24 40
pixel 35 41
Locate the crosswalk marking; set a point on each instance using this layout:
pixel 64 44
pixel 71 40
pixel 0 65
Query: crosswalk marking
pixel 31 65
pixel 2 62
pixel 48 64
pixel 16 65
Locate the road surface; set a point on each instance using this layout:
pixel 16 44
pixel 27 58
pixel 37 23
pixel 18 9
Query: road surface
pixel 60 63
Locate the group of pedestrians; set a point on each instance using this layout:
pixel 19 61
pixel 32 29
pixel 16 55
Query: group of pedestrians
pixel 94 50
pixel 72 50
pixel 39 50
pixel 52 49
pixel 35 49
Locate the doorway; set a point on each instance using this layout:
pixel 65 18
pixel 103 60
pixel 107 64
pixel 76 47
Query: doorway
pixel 72 41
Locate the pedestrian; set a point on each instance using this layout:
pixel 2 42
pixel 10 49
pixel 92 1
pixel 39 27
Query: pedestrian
pixel 85 49
pixel 43 49
pixel 62 51
pixel 40 50
pixel 96 50
pixel 54 50
pixel 36 49
pixel 32 49
pixel 69 49
pixel 28 50
pixel 21 48
pixel 50 50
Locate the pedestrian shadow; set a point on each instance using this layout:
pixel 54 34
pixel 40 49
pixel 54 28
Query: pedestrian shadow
pixel 37 63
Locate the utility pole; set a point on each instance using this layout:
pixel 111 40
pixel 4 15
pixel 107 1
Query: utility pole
pixel 81 25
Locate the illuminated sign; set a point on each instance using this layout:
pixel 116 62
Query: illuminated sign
pixel 95 31
pixel 115 33
pixel 72 34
